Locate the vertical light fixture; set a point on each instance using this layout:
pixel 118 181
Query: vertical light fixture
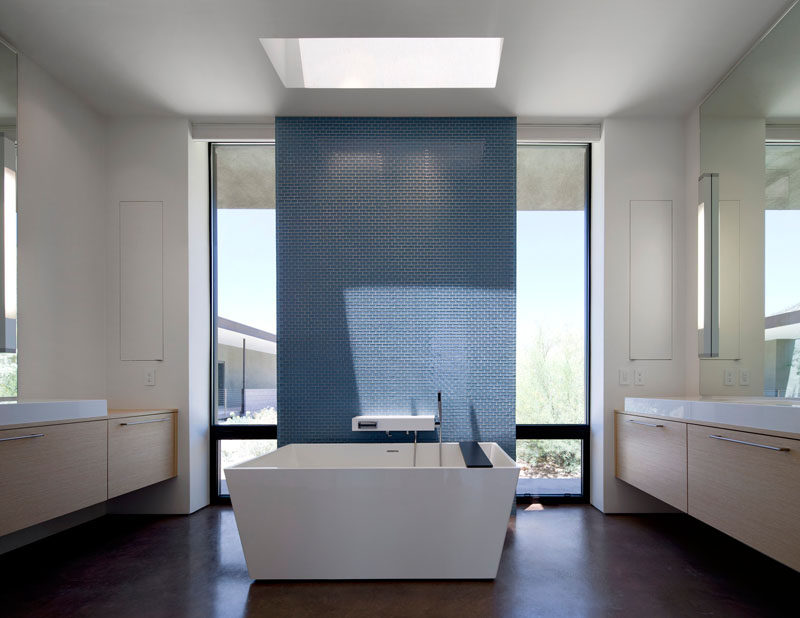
pixel 8 251
pixel 708 266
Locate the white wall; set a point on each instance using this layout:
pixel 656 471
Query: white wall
pixel 643 159
pixel 61 243
pixel 597 436
pixel 148 160
pixel 75 168
pixel 61 256
pixel 199 326
pixel 692 159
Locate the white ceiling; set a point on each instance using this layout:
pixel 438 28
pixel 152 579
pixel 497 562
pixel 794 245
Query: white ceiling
pixel 562 59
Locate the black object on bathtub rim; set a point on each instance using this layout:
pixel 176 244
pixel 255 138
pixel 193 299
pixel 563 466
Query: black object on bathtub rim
pixel 473 455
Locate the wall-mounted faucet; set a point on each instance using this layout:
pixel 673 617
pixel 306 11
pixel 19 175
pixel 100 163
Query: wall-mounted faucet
pixel 403 422
pixel 394 422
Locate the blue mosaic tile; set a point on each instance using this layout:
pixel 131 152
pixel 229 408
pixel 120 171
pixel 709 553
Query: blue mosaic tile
pixel 396 275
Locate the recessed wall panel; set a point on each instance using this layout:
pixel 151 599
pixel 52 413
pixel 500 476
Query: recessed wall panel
pixel 141 281
pixel 651 280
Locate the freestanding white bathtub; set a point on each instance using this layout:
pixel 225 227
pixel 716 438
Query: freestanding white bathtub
pixel 364 511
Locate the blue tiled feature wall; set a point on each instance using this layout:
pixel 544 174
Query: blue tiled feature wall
pixel 396 275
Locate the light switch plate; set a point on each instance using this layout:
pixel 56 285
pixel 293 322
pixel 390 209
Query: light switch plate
pixel 638 377
pixel 744 377
pixel 729 377
pixel 624 377
pixel 149 377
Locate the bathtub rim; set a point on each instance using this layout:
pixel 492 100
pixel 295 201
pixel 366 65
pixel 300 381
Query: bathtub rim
pixel 506 462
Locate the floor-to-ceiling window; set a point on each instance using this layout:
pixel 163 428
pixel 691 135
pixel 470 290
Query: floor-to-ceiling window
pixel 552 296
pixel 781 283
pixel 244 410
pixel 552 333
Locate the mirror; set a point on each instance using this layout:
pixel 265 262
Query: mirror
pixel 8 222
pixel 749 223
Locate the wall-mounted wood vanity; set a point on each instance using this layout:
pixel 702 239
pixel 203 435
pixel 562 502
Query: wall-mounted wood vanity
pixel 740 480
pixel 51 468
pixel 142 449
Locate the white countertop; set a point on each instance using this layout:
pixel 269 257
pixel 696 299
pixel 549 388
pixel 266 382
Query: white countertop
pixel 753 412
pixel 17 412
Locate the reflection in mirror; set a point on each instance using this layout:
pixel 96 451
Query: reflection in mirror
pixel 750 136
pixel 718 272
pixel 781 280
pixel 8 223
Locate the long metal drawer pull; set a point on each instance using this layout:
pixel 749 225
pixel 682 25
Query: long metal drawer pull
pixel 30 435
pixel 766 446
pixel 630 420
pixel 156 420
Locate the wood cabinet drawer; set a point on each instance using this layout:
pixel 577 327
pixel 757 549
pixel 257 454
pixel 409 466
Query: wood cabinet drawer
pixel 49 471
pixel 141 451
pixel 651 455
pixel 750 491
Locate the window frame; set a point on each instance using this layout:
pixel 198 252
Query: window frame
pixel 218 433
pixel 578 431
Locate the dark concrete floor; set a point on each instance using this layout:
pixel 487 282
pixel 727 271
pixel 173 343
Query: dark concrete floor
pixel 558 561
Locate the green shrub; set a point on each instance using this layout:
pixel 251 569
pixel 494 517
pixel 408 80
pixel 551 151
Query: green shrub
pixel 551 390
pixel 8 375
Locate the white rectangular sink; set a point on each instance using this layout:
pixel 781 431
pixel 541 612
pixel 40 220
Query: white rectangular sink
pixel 18 412
pixel 755 412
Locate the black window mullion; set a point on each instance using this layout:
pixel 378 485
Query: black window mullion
pixel 552 432
pixel 244 432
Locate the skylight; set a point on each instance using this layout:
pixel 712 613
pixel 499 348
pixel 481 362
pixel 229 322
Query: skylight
pixel 386 62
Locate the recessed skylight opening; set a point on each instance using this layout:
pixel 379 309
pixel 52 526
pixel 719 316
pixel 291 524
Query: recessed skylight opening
pixel 386 62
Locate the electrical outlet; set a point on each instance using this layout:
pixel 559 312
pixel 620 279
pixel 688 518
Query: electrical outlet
pixel 624 377
pixel 638 377
pixel 149 377
pixel 729 377
pixel 744 377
